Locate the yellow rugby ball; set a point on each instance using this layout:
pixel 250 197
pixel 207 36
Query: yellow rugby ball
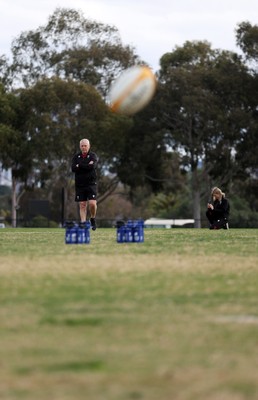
pixel 132 90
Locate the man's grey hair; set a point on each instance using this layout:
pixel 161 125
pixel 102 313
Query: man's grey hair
pixel 83 140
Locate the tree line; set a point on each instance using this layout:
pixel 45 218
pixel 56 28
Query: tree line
pixel 200 129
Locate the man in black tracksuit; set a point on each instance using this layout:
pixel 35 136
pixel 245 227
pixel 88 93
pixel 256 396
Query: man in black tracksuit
pixel 218 210
pixel 84 166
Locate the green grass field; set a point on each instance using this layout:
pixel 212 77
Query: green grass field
pixel 173 318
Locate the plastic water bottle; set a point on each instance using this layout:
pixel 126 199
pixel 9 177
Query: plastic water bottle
pixel 136 232
pixel 129 231
pixel 83 233
pixel 121 234
pixel 71 233
pixel 139 231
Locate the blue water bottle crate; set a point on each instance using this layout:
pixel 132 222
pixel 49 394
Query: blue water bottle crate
pixel 77 233
pixel 131 232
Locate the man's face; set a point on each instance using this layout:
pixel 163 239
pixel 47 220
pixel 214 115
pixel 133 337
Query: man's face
pixel 85 146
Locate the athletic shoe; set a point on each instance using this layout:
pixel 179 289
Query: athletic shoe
pixel 93 224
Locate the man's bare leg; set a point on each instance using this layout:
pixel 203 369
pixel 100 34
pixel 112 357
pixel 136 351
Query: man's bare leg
pixel 83 211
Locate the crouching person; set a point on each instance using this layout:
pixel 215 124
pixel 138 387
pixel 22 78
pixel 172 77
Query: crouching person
pixel 218 210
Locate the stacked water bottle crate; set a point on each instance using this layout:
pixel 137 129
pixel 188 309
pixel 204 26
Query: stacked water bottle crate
pixel 77 233
pixel 131 232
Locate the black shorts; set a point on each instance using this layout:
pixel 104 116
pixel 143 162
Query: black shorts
pixel 86 193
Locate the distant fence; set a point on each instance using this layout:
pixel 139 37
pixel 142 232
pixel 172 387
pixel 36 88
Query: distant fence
pixel 42 222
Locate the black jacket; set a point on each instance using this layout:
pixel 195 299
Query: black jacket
pixel 84 169
pixel 221 209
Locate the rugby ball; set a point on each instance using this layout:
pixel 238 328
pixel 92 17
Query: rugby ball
pixel 132 90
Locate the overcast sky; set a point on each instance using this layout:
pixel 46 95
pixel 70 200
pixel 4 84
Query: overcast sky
pixel 151 27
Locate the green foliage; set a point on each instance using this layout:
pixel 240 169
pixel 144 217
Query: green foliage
pixel 42 222
pixel 15 149
pixel 170 206
pixel 241 213
pixel 7 107
pixel 71 47
pixel 5 201
pixel 59 113
pixel 198 85
pixel 247 39
pixel 5 190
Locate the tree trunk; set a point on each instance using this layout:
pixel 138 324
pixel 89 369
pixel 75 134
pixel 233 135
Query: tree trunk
pixel 196 194
pixel 14 202
pixel 197 209
pixel 63 204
